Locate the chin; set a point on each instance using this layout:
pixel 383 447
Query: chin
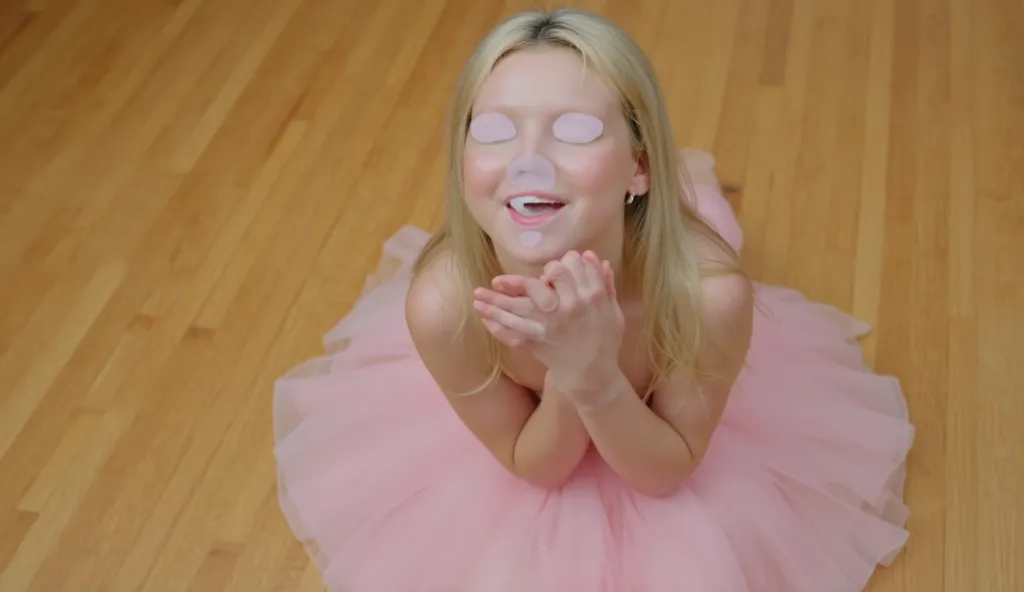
pixel 538 256
pixel 550 249
pixel 555 239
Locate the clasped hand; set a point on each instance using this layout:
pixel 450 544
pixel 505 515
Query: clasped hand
pixel 569 319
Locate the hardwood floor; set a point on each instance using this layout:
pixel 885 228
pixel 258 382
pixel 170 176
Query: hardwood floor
pixel 192 191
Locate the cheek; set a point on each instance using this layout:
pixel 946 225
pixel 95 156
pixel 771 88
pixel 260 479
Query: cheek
pixel 483 171
pixel 599 172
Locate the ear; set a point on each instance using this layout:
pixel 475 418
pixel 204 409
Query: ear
pixel 640 183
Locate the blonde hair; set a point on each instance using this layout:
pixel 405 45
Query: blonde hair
pixel 658 251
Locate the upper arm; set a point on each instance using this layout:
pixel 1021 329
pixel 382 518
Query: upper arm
pixel 693 405
pixel 496 413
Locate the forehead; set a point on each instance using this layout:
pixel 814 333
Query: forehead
pixel 549 78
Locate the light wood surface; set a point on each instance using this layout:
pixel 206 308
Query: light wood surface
pixel 191 193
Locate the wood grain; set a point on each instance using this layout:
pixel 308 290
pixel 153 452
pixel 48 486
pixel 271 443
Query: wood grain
pixel 192 192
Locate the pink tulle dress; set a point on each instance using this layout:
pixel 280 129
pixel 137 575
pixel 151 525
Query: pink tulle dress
pixel 801 490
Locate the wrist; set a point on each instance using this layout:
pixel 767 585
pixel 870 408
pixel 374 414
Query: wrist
pixel 596 391
pixel 571 380
pixel 557 398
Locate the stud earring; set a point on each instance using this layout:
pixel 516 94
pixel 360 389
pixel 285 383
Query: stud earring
pixel 630 198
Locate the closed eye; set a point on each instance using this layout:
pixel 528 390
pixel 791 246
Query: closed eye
pixel 490 128
pixel 578 128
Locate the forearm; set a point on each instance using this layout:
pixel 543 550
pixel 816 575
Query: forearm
pixel 637 444
pixel 552 442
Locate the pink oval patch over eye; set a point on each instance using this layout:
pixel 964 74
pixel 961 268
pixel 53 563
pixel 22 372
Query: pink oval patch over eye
pixel 488 128
pixel 578 128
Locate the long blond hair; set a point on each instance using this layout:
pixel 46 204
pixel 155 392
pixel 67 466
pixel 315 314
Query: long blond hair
pixel 660 227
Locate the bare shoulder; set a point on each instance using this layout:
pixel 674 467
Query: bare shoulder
pixel 454 355
pixel 431 310
pixel 490 404
pixel 728 303
pixel 728 300
pixel 727 296
pixel 693 405
pixel 726 292
pixel 437 323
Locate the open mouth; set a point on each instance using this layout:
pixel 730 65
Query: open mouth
pixel 533 206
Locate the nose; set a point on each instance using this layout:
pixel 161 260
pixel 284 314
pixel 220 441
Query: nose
pixel 532 172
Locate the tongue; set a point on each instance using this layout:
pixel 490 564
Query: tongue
pixel 543 207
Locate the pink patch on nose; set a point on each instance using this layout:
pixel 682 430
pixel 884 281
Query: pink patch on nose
pixel 532 172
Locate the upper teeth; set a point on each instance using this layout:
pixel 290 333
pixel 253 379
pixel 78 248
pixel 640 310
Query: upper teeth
pixel 520 204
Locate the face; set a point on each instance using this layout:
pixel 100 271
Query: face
pixel 548 160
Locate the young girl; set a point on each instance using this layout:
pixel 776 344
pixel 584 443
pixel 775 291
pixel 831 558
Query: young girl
pixel 571 385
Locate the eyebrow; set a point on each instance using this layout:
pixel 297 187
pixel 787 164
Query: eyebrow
pixel 555 111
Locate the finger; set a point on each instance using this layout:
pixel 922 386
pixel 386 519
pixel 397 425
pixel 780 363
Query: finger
pixel 589 284
pixel 503 333
pixel 594 273
pixel 609 278
pixel 606 277
pixel 577 266
pixel 550 271
pixel 564 286
pixel 526 327
pixel 513 285
pixel 517 305
pixel 542 295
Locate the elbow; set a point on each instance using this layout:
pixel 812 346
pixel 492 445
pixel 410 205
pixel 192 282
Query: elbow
pixel 670 478
pixel 536 471
pixel 541 477
pixel 664 486
pixel 545 482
